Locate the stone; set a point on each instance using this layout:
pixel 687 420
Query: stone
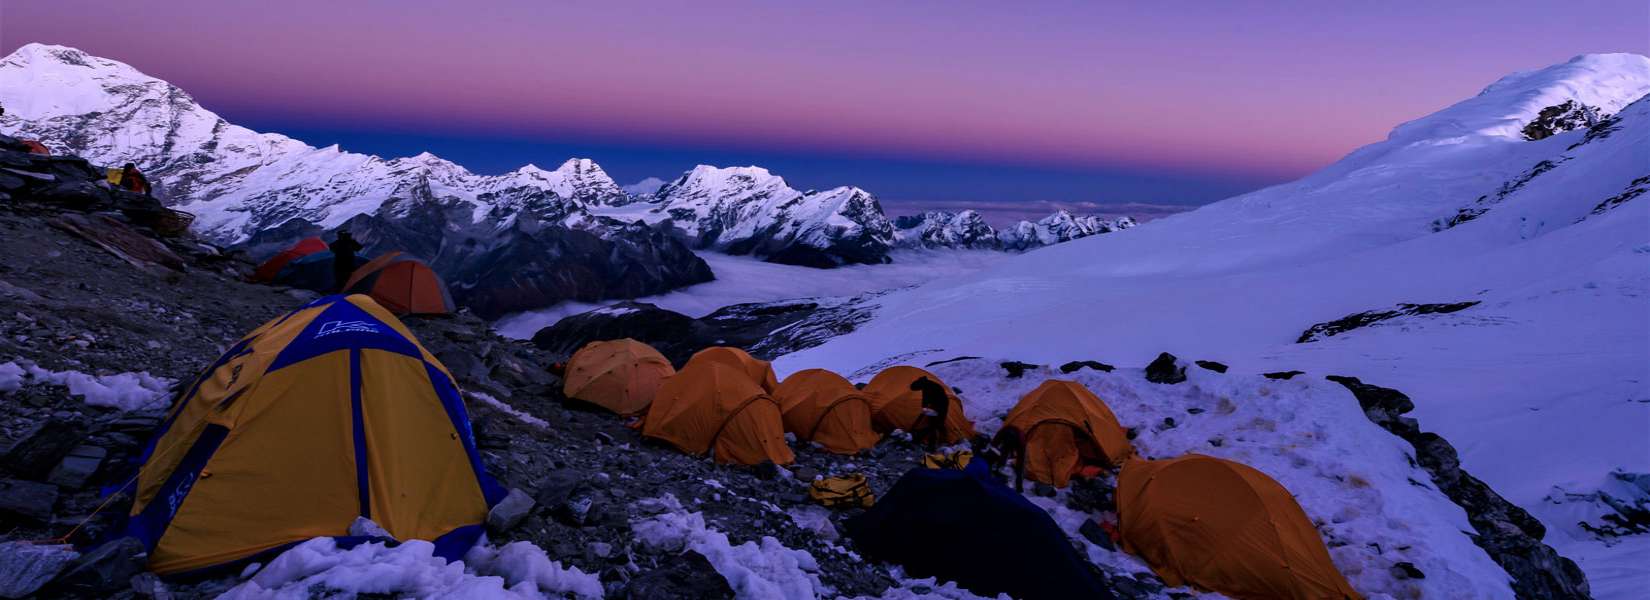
pixel 37 452
pixel 1017 369
pixel 1407 570
pixel 149 585
pixel 1093 532
pixel 686 576
pixel 26 567
pixel 1165 370
pixel 77 469
pixel 765 470
pixel 558 486
pixel 1212 366
pixel 1074 366
pixel 1284 374
pixel 1042 489
pixel 106 568
pixel 806 474
pixel 28 499
pixel 510 511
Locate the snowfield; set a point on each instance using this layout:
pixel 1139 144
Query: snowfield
pixel 741 279
pixel 1540 386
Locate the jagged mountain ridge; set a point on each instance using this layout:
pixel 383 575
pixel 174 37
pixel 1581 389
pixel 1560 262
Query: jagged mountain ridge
pixel 967 229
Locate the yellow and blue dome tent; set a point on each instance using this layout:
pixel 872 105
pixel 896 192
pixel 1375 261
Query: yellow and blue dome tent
pixel 331 412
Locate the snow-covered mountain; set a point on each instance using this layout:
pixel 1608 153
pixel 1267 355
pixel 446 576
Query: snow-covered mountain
pixel 1541 385
pixel 748 210
pixel 967 229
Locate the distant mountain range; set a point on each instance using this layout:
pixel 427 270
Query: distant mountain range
pixel 258 190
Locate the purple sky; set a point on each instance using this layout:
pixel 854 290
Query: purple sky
pixel 1176 102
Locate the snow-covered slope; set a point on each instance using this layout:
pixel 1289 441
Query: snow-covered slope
pixel 1543 385
pixel 747 210
pixel 238 181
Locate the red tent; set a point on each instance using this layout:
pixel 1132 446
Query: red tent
pixel 266 272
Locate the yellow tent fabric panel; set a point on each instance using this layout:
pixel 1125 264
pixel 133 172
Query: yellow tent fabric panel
pixel 412 447
pixel 259 490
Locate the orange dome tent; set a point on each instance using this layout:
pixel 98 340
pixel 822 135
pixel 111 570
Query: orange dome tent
pixel 712 407
pixel 618 375
pixel 1223 526
pixel 1065 428
pixel 402 284
pixel 822 407
pixel 760 371
pixel 894 405
pixel 266 272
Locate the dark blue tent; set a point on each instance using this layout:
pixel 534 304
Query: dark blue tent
pixel 312 272
pixel 962 526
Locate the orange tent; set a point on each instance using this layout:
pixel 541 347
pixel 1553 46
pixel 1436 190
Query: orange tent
pixel 618 375
pixel 267 271
pixel 1065 428
pixel 35 147
pixel 402 284
pixel 712 407
pixel 1223 526
pixel 894 405
pixel 822 407
pixel 760 371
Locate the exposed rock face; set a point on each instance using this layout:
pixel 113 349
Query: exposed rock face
pixel 1059 227
pixel 1367 318
pixel 1508 533
pixel 939 229
pixel 747 210
pixel 1559 118
pixel 1165 369
pixel 766 330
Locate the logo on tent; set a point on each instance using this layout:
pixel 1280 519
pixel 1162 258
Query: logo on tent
pixel 331 327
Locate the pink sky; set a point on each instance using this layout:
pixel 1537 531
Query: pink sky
pixel 1271 89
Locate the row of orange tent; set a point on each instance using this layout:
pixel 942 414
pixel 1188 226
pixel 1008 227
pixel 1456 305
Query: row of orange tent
pixel 399 281
pixel 1197 520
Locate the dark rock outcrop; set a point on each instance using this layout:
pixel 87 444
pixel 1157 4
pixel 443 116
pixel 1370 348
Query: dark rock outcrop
pixel 1367 318
pixel 766 330
pixel 1017 369
pixel 1165 370
pixel 1283 374
pixel 1074 366
pixel 1508 533
pixel 1559 118
pixel 1212 366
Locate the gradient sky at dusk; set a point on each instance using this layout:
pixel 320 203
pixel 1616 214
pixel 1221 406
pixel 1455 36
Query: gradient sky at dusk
pixel 919 102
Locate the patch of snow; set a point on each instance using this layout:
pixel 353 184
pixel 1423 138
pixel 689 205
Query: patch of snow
pixel 123 391
pixel 759 570
pixel 645 187
pixel 510 410
pixel 411 569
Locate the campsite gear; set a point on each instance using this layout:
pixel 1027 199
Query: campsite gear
pixel 844 491
pixel 956 459
pixel 401 283
pixel 112 175
pixel 171 223
pixel 759 371
pixel 311 272
pixel 1223 526
pixel 711 407
pixel 267 271
pixel 894 405
pixel 331 412
pixel 1065 427
pixel 822 407
pixel 343 250
pixel 933 523
pixel 619 375
pixel 35 147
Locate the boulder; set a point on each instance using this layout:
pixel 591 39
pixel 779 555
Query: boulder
pixel 1165 370
pixel 105 569
pixel 27 499
pixel 686 576
pixel 25 567
pixel 1074 366
pixel 1283 374
pixel 38 450
pixel 1016 368
pixel 1212 366
pixel 510 511
pixel 77 469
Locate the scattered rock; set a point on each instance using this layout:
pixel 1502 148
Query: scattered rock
pixel 1073 366
pixel 687 576
pixel 39 450
pixel 26 567
pixel 510 511
pixel 28 499
pixel 1164 370
pixel 149 585
pixel 1091 531
pixel 1212 366
pixel 1284 374
pixel 106 568
pixel 1042 489
pixel 766 470
pixel 1016 368
pixel 77 469
pixel 1407 570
